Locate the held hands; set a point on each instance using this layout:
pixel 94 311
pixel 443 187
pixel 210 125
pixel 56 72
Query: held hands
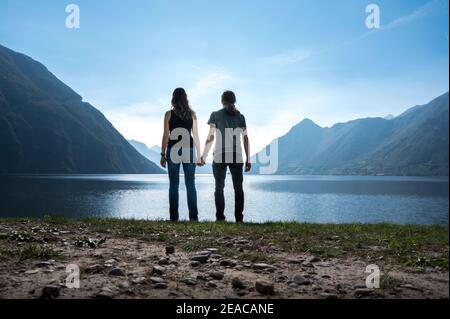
pixel 200 162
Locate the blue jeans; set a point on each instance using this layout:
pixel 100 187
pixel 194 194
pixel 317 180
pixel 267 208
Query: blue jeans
pixel 173 169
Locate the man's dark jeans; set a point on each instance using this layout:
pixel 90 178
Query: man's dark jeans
pixel 189 179
pixel 220 173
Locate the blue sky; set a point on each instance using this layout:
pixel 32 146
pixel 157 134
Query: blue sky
pixel 286 59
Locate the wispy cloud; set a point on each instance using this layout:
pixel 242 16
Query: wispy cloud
pixel 419 12
pixel 288 58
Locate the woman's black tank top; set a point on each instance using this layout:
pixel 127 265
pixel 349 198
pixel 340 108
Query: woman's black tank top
pixel 177 122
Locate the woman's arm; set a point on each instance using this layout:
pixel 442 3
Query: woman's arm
pixel 165 139
pixel 209 142
pixel 196 139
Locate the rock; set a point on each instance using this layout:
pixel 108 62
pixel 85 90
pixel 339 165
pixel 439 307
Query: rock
pixel 200 258
pixel 262 266
pixel 300 280
pixel 339 287
pixel 158 270
pixel 117 272
pixel 164 262
pixel 43 264
pixel 360 286
pixel 237 283
pixel 295 261
pixel 195 264
pixel 217 275
pixel 157 280
pixel 32 271
pixel 211 284
pixel 124 285
pixel 228 263
pixel 139 280
pixel 50 292
pixel 110 262
pixel 363 292
pixel 161 285
pixel 229 245
pixel 215 256
pixel 314 259
pixel 212 250
pixel 293 285
pixel 329 296
pixel 307 264
pixel 204 252
pixel 264 287
pixel 105 293
pixel 411 287
pixel 94 269
pixel 189 281
pixel 326 277
pixel 170 250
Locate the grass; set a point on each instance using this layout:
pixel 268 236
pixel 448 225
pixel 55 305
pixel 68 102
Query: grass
pixel 409 245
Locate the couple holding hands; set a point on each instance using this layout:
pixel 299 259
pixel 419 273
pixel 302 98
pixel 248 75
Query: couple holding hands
pixel 181 147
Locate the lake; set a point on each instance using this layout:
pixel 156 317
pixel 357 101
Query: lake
pixel 315 199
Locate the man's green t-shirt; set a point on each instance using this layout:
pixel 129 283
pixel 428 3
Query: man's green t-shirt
pixel 230 128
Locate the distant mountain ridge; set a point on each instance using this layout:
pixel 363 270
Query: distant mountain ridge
pixel 414 143
pixel 45 127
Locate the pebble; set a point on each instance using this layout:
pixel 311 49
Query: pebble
pixel 228 263
pixel 158 270
pixel 118 272
pixel 42 264
pixel 200 258
pixel 293 285
pixel 195 264
pixel 363 292
pixel 410 287
pixel 157 280
pixel 164 262
pixel 94 269
pixel 139 280
pixel 50 292
pixel 329 296
pixel 211 284
pixel 300 280
pixel 237 283
pixel 314 259
pixel 170 250
pixel 217 275
pixel 189 281
pixel 161 285
pixel 264 287
pixel 261 266
pixel 105 293
pixel 124 285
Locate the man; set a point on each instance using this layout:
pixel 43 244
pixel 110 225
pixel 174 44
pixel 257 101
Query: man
pixel 228 124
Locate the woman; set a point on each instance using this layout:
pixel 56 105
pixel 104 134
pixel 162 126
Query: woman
pixel 178 142
pixel 228 124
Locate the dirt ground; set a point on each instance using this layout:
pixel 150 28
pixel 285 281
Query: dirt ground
pixel 134 268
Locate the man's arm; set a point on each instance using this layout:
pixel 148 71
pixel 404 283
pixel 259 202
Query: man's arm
pixel 248 165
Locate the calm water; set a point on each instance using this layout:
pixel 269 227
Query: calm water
pixel 404 200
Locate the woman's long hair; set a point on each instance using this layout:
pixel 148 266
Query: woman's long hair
pixel 229 101
pixel 180 104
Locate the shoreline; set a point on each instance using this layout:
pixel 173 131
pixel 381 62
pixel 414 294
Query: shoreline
pixel 157 259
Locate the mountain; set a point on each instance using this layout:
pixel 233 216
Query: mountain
pixel 154 154
pixel 414 143
pixel 45 127
pixel 151 153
